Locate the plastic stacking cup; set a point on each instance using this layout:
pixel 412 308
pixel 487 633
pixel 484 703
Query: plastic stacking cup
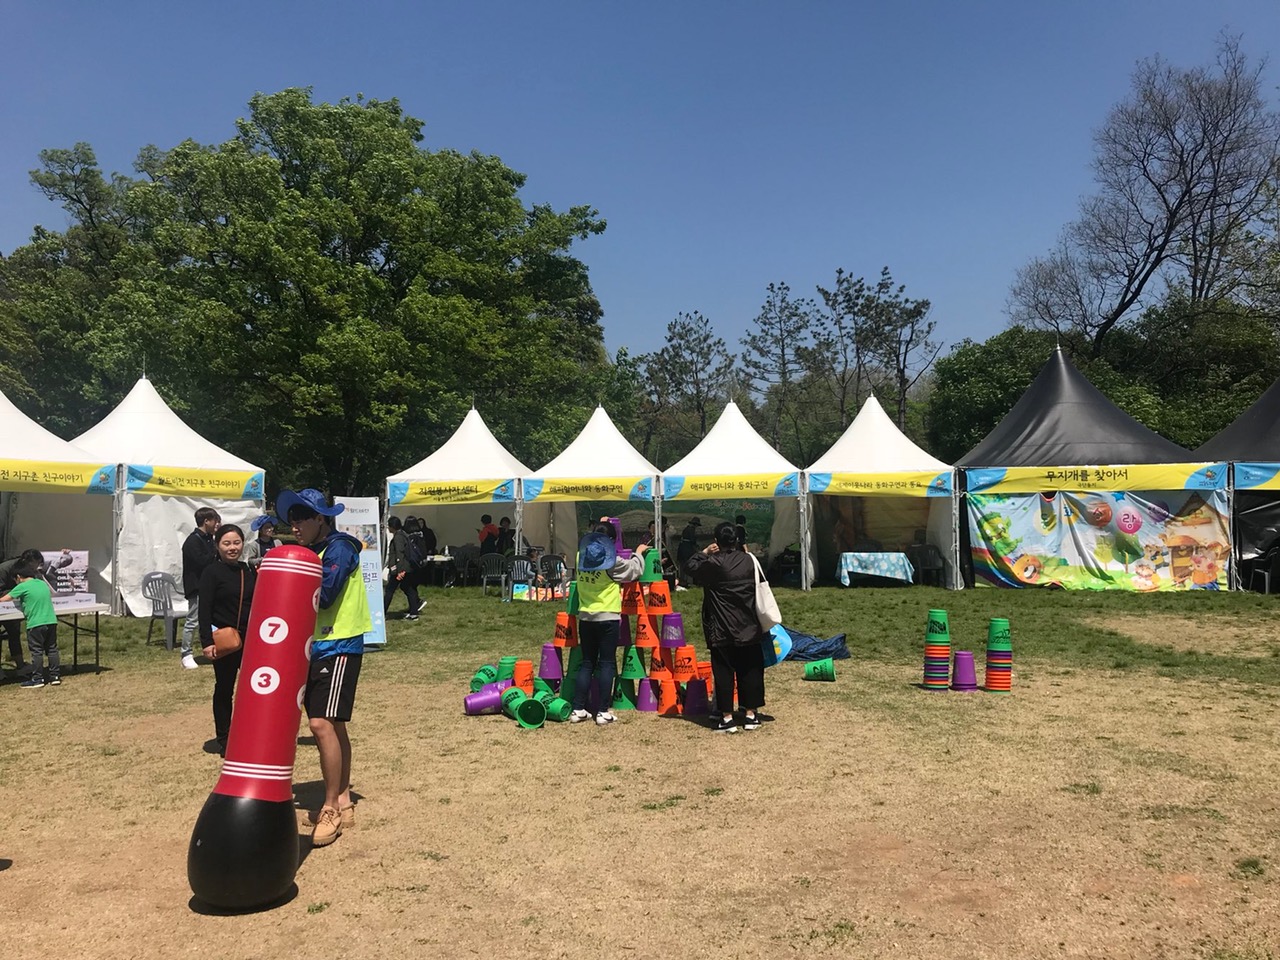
pixel 571 605
pixel 542 686
pixel 507 668
pixel 965 676
pixel 652 567
pixel 522 676
pixel 697 703
pixel 684 665
pixel 658 599
pixel 998 635
pixel 497 686
pixel 936 628
pixel 482 701
pixel 668 698
pixel 486 674
pixel 633 665
pixel 632 600
pixel 820 670
pixel 672 631
pixel 660 665
pixel 527 712
pixel 558 709
pixel 570 681
pixel 549 667
pixel 646 700
pixel 624 695
pixel 566 634
pixel 646 632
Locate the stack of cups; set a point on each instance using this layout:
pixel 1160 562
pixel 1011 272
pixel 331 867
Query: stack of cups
pixel 937 652
pixel 999 657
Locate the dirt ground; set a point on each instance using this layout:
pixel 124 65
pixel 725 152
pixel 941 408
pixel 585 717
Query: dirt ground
pixel 1090 814
pixel 1225 636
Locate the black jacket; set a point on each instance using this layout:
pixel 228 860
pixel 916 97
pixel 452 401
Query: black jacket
pixel 397 553
pixel 197 553
pixel 729 598
pixel 220 598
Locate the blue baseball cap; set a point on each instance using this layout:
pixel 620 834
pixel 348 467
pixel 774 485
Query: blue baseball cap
pixel 311 498
pixel 596 552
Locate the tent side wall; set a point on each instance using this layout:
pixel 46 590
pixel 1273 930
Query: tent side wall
pixel 54 521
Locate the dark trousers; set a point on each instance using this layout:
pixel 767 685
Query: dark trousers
pixel 746 663
pixel 13 633
pixel 598 640
pixel 43 643
pixel 225 668
pixel 410 587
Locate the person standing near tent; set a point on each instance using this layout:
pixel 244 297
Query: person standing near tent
pixel 488 534
pixel 255 548
pixel 729 623
pixel 342 620
pixel 688 545
pixel 13 628
pixel 740 528
pixel 226 594
pixel 197 553
pixel 600 571
pixel 402 572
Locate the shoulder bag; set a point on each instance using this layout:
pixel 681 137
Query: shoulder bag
pixel 767 611
pixel 227 640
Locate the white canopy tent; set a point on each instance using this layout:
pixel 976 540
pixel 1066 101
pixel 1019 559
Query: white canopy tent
pixel 733 461
pixel 909 490
pixel 37 471
pixel 600 464
pixel 166 472
pixel 449 488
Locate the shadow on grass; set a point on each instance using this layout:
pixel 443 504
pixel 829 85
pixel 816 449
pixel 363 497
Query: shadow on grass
pixel 208 910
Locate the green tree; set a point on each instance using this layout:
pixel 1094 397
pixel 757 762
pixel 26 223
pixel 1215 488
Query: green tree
pixel 773 361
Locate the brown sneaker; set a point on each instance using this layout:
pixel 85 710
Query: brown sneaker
pixel 347 815
pixel 328 827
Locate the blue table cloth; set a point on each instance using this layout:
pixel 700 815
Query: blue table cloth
pixel 896 566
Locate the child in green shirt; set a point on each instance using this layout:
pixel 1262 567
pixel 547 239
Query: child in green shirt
pixel 36 600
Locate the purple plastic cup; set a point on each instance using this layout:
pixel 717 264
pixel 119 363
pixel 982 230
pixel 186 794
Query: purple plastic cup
pixel 645 699
pixel 696 703
pixel 965 678
pixel 483 701
pixel 672 631
pixel 550 668
pixel 496 687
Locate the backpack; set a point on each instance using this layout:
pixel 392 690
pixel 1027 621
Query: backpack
pixel 415 551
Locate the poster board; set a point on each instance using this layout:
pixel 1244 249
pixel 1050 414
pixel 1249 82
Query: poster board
pixel 360 519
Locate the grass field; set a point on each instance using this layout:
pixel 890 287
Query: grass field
pixel 1122 803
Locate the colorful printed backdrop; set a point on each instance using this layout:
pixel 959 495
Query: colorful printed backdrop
pixel 1132 540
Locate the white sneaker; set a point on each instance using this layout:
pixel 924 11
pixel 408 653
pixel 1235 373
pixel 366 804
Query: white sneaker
pixel 680 589
pixel 578 716
pixel 189 662
pixel 604 718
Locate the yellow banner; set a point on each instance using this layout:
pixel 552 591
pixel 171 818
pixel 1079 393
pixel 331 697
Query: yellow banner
pixel 1132 476
pixel 194 482
pixel 35 476
pixel 589 488
pixel 735 486
pixel 451 491
pixel 912 483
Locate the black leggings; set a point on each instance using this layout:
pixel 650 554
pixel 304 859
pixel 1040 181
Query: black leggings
pixel 746 663
pixel 225 669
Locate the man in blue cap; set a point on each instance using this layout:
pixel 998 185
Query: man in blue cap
pixel 342 620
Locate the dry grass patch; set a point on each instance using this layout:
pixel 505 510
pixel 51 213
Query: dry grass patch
pixel 1222 636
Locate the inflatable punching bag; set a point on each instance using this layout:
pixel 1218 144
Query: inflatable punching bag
pixel 244 849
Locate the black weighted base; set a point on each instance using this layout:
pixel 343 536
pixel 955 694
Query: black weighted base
pixel 243 853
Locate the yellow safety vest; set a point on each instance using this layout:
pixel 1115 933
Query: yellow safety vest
pixel 348 616
pixel 598 592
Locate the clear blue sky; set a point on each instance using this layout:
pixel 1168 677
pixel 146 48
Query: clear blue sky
pixel 728 144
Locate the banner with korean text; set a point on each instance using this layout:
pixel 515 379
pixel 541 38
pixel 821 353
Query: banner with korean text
pixel 360 519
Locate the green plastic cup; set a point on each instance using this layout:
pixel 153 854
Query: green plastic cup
pixel 507 668
pixel 486 674
pixel 820 670
pixel 998 635
pixel 633 665
pixel 936 629
pixel 527 712
pixel 541 686
pixel 572 605
pixel 652 566
pixel 624 695
pixel 558 709
pixel 570 681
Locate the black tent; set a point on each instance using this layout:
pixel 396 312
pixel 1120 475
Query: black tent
pixel 1064 420
pixel 1252 438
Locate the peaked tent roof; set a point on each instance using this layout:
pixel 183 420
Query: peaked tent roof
pixel 600 450
pixel 472 453
pixel 1064 420
pixel 21 438
pixel 1252 436
pixel 731 447
pixel 143 431
pixel 874 444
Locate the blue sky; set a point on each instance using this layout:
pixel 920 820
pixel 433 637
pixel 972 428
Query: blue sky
pixel 727 144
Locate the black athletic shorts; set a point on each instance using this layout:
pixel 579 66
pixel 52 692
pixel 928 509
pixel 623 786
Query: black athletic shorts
pixel 331 686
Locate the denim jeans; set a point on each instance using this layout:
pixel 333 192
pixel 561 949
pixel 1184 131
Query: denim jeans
pixel 598 640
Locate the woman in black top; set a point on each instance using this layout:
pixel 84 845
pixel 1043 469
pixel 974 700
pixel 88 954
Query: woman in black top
pixel 226 594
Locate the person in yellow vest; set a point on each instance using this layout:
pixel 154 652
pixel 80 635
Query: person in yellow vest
pixel 600 570
pixel 342 621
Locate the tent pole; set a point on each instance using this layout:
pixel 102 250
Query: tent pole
pixel 520 524
pixel 117 520
pixel 657 518
pixel 803 509
pixel 957 503
pixel 1233 581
